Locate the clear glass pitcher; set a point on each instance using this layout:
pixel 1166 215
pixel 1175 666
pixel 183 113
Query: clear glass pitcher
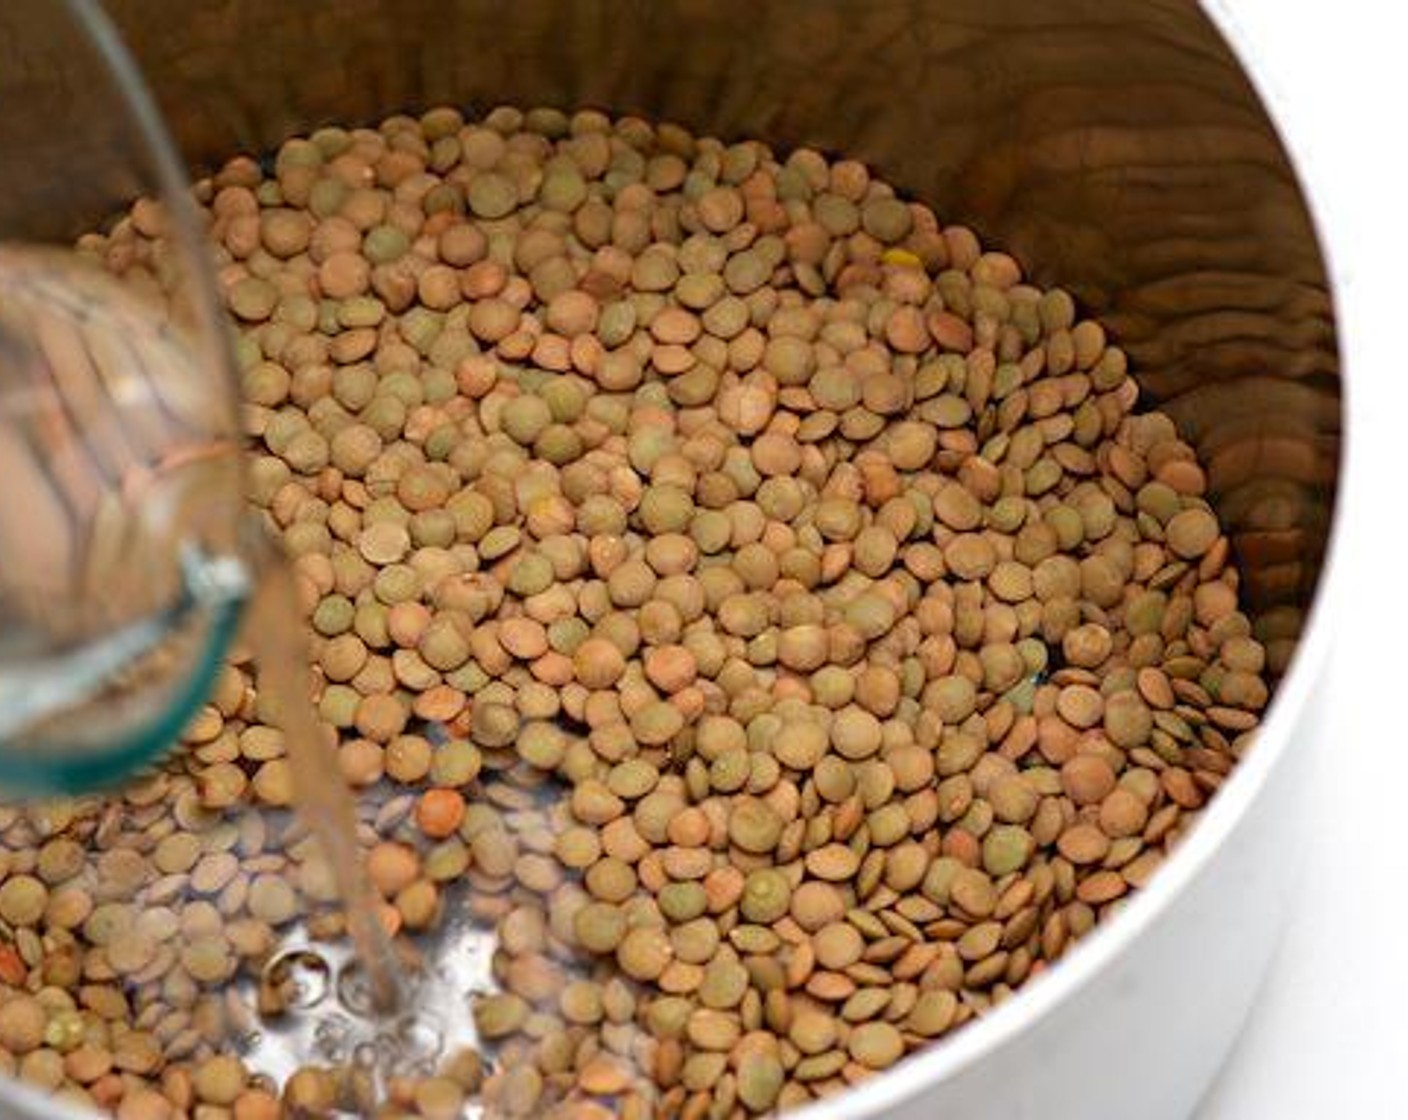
pixel 120 499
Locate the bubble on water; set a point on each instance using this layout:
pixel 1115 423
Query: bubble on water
pixel 354 990
pixel 420 1037
pixel 300 978
pixel 332 1038
pixel 388 1051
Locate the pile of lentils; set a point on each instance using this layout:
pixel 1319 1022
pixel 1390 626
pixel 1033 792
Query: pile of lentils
pixel 767 610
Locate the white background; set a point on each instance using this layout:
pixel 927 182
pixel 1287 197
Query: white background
pixel 1330 1035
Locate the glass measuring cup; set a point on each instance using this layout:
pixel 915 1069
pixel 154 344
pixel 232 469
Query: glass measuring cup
pixel 121 576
